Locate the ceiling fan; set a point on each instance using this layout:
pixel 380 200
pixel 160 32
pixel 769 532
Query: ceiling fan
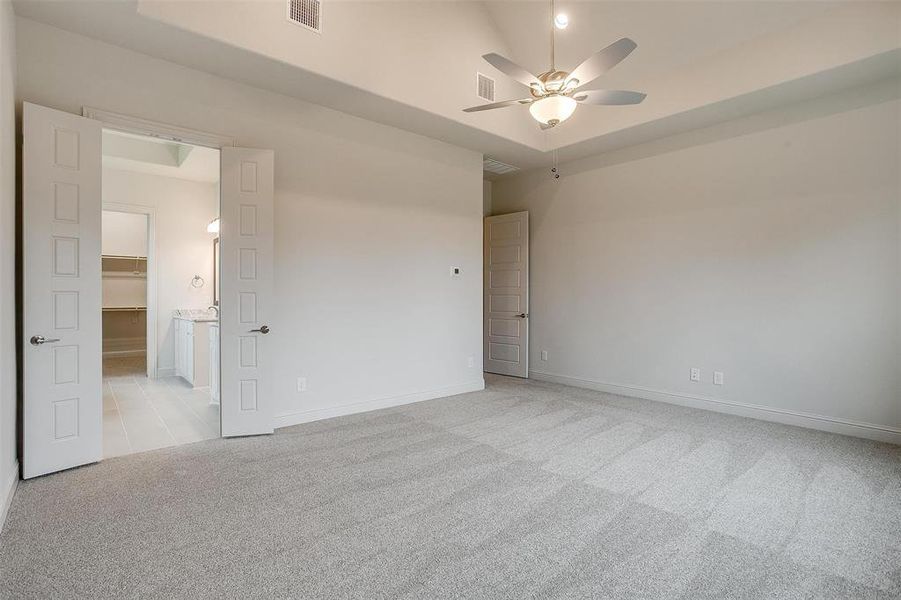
pixel 555 94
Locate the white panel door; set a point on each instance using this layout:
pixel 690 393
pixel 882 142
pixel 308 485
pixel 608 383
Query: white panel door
pixel 246 305
pixel 63 399
pixel 506 326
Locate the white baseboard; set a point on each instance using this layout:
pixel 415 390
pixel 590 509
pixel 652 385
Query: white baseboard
pixel 317 414
pixel 7 491
pixel 167 372
pixel 870 431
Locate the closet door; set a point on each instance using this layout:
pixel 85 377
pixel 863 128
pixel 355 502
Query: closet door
pixel 246 306
pixel 61 349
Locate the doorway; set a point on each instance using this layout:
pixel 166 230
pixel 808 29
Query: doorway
pixel 159 306
pixel 61 295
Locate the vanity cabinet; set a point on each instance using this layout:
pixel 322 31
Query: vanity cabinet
pixel 192 351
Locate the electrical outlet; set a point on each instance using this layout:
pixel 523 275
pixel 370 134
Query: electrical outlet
pixel 301 384
pixel 717 378
pixel 544 355
pixel 695 374
pixel 471 362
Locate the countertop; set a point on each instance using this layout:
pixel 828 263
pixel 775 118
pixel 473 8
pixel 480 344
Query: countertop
pixel 196 315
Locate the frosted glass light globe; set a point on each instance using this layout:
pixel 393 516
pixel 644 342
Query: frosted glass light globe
pixel 553 108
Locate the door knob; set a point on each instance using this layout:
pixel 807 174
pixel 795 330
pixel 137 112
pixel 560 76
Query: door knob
pixel 522 315
pixel 37 340
pixel 264 330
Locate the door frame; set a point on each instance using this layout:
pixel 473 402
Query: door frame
pixel 486 289
pixel 155 129
pixel 152 289
pixel 130 124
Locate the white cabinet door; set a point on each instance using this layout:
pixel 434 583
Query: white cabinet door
pixel 214 364
pixel 177 356
pixel 246 243
pixel 61 350
pixel 178 338
pixel 189 351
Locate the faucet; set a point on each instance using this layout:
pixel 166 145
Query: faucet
pixel 215 308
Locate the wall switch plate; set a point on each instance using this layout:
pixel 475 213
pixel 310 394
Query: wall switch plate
pixel 717 378
pixel 301 384
pixel 544 355
pixel 471 362
pixel 456 271
pixel 695 374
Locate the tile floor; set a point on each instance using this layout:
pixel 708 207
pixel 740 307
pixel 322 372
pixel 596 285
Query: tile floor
pixel 143 414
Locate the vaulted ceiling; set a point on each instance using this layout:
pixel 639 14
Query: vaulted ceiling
pixel 413 64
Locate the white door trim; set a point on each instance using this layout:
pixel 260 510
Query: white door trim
pixel 131 124
pixel 152 274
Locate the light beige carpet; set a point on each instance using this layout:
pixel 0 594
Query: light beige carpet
pixel 525 490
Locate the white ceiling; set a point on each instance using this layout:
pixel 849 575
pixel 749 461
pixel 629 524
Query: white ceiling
pixel 412 64
pixel 670 34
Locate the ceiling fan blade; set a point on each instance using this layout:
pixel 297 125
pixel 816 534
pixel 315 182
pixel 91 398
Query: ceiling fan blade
pixel 494 105
pixel 602 61
pixel 609 97
pixel 511 69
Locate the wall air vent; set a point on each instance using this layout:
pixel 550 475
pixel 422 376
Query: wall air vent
pixel 485 87
pixel 496 166
pixel 306 13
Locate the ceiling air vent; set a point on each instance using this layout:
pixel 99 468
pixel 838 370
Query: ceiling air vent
pixel 496 166
pixel 306 13
pixel 485 87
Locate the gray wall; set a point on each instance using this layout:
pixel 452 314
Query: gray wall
pixel 766 248
pixel 369 220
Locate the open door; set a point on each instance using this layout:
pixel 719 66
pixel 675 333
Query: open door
pixel 506 326
pixel 246 256
pixel 63 400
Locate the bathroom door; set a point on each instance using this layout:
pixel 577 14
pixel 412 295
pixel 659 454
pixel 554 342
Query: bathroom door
pixel 246 278
pixel 62 396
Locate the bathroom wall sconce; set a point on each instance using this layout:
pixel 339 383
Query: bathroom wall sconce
pixel 213 227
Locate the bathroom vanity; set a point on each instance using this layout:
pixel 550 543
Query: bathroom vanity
pixel 192 346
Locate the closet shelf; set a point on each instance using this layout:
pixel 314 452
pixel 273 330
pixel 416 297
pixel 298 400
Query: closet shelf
pixel 123 257
pixel 124 308
pixel 124 274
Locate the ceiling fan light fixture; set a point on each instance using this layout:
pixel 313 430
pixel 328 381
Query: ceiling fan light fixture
pixel 552 110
